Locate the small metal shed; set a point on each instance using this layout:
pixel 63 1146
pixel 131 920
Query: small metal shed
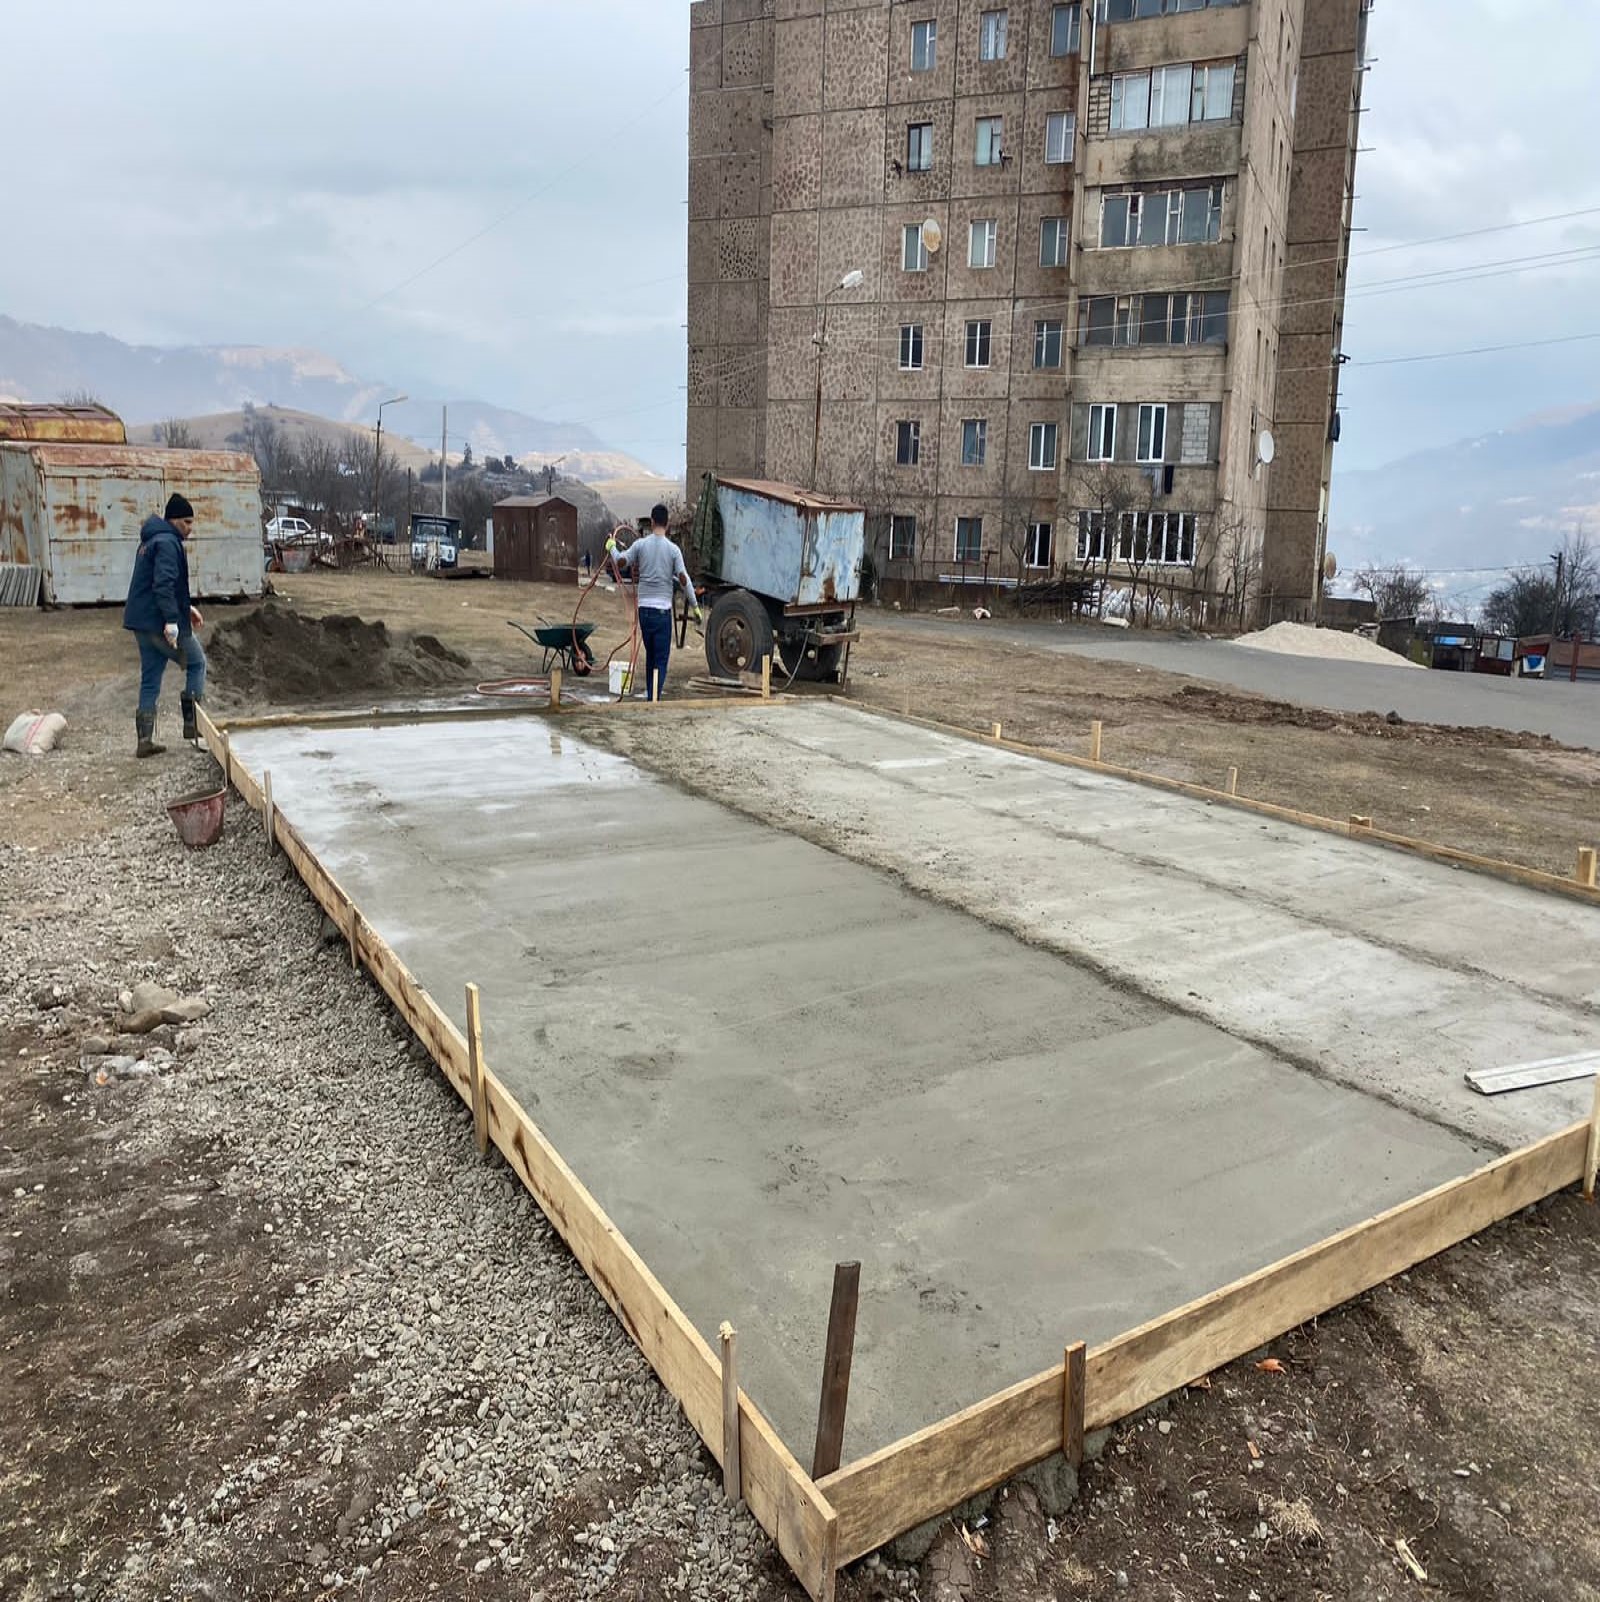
pixel 536 538
pixel 74 511
pixel 61 425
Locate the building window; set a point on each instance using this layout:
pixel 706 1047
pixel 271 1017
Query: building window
pixel 990 141
pixel 913 253
pixel 1093 543
pixel 919 147
pixel 924 45
pixel 1102 434
pixel 1130 101
pixel 969 539
pixel 1060 128
pixel 979 339
pixel 907 443
pixel 1152 433
pixel 1164 217
pixel 1188 318
pixel 1047 343
pixel 911 347
pixel 1212 96
pixel 1039 550
pixel 1042 448
pixel 1128 10
pixel 902 539
pixel 1053 238
pixel 992 36
pixel 1066 29
pixel 1161 539
pixel 980 243
pixel 974 441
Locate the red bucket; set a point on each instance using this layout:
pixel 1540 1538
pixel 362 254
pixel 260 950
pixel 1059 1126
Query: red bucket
pixel 198 818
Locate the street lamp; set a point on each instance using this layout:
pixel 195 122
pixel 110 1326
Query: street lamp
pixel 851 280
pixel 377 455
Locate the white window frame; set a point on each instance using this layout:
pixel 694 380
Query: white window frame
pixel 913 253
pixel 1040 548
pixel 978 342
pixel 993 26
pixel 1060 138
pixel 1102 446
pixel 1072 17
pixel 978 456
pixel 1042 333
pixel 1167 536
pixel 1130 101
pixel 989 141
pixel 1211 96
pixel 1043 447
pixel 975 524
pixel 919 147
pixel 1063 241
pixel 1094 543
pixel 982 239
pixel 1170 90
pixel 1150 448
pixel 902 524
pixel 908 431
pixel 912 352
pixel 928 30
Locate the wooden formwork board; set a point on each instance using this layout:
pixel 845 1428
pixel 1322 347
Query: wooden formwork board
pixel 819 1526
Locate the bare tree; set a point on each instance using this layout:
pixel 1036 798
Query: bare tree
pixel 177 435
pixel 1397 590
pixel 260 435
pixel 1108 492
pixel 81 397
pixel 1234 565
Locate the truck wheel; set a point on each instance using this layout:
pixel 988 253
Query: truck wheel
pixel 738 635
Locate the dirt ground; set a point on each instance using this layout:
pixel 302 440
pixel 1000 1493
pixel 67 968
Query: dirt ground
pixel 1452 1410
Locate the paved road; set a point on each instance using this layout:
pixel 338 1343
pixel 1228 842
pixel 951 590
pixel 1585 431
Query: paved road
pixel 1567 712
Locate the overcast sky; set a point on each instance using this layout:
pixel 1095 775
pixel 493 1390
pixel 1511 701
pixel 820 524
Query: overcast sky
pixel 186 172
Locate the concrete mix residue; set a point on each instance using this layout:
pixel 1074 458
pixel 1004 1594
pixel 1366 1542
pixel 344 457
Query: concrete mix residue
pixel 764 1057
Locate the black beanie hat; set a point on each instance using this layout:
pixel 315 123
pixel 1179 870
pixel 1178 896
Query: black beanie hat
pixel 178 507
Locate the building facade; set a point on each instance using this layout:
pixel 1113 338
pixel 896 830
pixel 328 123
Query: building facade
pixel 1045 286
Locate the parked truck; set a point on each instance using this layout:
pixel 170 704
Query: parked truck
pixel 779 571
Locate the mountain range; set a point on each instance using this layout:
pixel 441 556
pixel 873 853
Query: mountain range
pixel 145 384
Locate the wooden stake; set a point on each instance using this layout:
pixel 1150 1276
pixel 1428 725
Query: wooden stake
pixel 480 1097
pixel 1094 741
pixel 732 1483
pixel 1074 1373
pixel 268 817
pixel 355 935
pixel 1586 871
pixel 227 759
pixel 1358 821
pixel 555 688
pixel 766 678
pixel 836 1369
pixel 997 731
pixel 1591 1161
pixel 1233 781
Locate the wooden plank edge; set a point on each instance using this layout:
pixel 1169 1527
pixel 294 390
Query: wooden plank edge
pixel 780 1494
pixel 1516 872
pixel 925 1474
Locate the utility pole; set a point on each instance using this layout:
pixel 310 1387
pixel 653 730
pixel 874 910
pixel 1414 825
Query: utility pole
pixel 1560 559
pixel 444 461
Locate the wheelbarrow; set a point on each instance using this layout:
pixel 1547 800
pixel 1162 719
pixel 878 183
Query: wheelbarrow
pixel 566 643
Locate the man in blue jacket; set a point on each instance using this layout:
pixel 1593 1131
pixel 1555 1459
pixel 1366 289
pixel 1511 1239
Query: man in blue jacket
pixel 161 617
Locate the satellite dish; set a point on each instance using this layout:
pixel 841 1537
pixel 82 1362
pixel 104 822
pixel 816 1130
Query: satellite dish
pixel 1266 447
pixel 932 236
pixel 1330 567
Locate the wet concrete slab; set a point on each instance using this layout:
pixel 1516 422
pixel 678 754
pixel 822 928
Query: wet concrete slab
pixel 764 1057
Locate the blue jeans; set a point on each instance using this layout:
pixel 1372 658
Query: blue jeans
pixel 655 629
pixel 155 653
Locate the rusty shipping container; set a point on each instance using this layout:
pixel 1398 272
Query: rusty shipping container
pixel 74 511
pixel 61 425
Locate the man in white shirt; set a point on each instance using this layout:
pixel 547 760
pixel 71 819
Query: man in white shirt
pixel 655 565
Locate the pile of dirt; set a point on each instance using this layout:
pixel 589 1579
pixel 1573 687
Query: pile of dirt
pixel 1295 639
pixel 278 654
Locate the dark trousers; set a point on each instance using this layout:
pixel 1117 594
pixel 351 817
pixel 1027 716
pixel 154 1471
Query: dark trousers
pixel 655 629
pixel 155 653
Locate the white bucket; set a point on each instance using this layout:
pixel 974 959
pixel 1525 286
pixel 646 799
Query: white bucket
pixel 621 679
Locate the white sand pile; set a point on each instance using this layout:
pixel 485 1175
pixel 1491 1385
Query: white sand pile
pixel 1295 639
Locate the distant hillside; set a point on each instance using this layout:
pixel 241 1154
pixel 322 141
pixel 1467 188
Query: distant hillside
pixel 224 431
pixel 145 384
pixel 1499 500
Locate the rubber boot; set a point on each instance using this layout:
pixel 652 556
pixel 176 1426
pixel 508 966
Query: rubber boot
pixel 145 723
pixel 191 724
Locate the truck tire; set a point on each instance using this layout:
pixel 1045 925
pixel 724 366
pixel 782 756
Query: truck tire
pixel 738 635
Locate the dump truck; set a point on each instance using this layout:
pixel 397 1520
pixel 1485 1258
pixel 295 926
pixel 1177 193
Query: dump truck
pixel 778 570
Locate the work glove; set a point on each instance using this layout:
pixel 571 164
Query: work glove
pixel 611 547
pixel 171 633
pixel 699 616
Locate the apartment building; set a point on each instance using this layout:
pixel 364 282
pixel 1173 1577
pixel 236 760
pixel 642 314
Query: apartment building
pixel 1043 285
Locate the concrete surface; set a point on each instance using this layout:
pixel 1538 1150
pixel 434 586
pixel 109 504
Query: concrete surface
pixel 763 1057
pixel 1567 712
